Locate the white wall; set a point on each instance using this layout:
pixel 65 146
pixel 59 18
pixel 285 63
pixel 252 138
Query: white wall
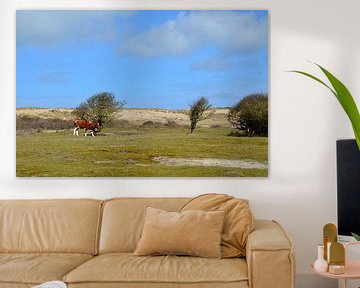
pixel 305 119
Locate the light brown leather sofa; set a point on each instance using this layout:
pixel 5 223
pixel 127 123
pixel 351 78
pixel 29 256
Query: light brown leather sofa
pixel 89 243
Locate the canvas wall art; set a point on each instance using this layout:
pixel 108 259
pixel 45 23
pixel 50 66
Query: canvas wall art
pixel 147 93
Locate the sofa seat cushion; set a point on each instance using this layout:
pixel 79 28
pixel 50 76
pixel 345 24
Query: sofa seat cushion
pixel 36 268
pixel 127 268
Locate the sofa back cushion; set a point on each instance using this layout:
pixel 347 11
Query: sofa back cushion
pixel 238 224
pixel 123 220
pixel 66 226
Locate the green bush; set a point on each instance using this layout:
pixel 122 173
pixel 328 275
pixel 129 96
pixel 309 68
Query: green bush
pixel 99 108
pixel 28 123
pixel 249 116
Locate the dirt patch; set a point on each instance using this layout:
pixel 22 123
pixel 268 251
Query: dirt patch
pixel 245 164
pixel 104 162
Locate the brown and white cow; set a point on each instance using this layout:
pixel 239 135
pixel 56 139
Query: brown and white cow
pixel 88 126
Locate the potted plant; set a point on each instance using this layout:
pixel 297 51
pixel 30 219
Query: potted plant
pixel 344 97
pixel 357 237
pixel 346 100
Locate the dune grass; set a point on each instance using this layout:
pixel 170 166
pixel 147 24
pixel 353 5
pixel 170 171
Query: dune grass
pixel 131 152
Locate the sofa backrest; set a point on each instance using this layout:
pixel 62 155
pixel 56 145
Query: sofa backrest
pixel 67 226
pixel 123 220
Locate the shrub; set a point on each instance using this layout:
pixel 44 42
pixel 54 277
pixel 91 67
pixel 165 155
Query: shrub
pixel 99 108
pixel 150 124
pixel 249 116
pixel 171 124
pixel 27 122
pixel 120 123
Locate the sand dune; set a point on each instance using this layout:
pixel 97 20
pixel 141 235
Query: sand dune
pixel 135 116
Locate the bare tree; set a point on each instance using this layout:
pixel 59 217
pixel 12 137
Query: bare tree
pixel 197 110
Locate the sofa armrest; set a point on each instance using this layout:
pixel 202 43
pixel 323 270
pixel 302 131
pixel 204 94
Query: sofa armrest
pixel 269 256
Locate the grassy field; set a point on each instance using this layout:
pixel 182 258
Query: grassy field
pixel 129 152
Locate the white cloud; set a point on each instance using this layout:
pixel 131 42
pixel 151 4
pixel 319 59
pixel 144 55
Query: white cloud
pixel 53 78
pixel 52 27
pixel 228 31
pixel 211 64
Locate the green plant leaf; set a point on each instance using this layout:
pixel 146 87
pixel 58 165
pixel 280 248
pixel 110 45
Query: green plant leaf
pixel 356 236
pixel 347 102
pixel 316 79
pixel 344 97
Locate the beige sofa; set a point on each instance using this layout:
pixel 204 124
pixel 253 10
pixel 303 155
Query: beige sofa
pixel 89 243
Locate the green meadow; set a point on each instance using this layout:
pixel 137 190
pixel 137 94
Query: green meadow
pixel 128 152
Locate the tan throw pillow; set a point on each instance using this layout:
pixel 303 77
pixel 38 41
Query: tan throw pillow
pixel 196 233
pixel 239 220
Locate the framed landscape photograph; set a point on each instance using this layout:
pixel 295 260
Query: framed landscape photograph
pixel 143 93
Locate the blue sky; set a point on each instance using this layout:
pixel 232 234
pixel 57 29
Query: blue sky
pixel 159 59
